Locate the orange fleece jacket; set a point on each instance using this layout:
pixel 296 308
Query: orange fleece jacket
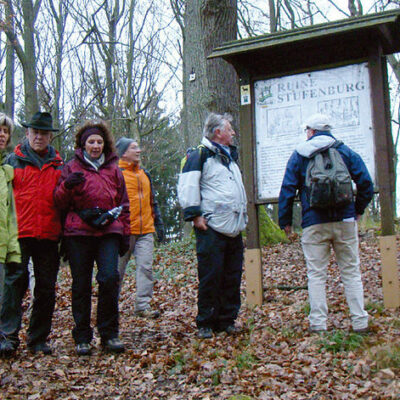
pixel 139 194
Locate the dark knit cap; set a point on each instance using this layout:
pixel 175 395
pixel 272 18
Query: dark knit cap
pixel 89 132
pixel 123 144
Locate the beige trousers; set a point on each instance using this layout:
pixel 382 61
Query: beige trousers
pixel 317 241
pixel 141 246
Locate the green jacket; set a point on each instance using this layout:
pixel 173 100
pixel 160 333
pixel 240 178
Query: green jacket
pixel 9 246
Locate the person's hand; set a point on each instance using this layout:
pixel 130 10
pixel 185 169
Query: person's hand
pixel 200 223
pixel 292 236
pixel 288 230
pixel 74 179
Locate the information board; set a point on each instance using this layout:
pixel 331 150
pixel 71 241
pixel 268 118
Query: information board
pixel 282 106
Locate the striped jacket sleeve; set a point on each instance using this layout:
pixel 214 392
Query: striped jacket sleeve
pixel 189 195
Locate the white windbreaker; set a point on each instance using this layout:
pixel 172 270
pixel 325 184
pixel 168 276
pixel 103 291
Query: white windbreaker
pixel 211 185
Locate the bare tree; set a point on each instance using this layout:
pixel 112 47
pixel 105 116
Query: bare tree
pixel 26 54
pixel 9 71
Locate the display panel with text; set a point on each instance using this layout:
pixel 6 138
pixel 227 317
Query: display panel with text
pixel 282 106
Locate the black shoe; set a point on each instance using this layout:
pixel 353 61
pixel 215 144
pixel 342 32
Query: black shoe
pixel 7 348
pixel 204 333
pixel 114 345
pixel 317 331
pixel 233 330
pixel 148 314
pixel 40 347
pixel 83 349
pixel 362 331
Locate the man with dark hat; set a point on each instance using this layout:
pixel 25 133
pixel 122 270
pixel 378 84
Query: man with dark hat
pixel 37 167
pixel 145 220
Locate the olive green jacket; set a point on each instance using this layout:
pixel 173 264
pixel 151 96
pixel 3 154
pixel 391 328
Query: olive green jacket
pixel 9 246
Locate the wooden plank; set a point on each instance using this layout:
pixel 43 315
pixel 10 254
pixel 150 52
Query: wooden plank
pixel 248 166
pixel 384 24
pixel 390 272
pixel 253 253
pixel 253 269
pixel 382 138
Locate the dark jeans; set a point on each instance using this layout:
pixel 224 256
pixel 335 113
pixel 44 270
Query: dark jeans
pixel 45 259
pixel 82 252
pixel 220 261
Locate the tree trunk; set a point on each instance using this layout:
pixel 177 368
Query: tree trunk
pixel 29 61
pixel 60 17
pixel 27 55
pixel 273 23
pixel 10 71
pixel 208 85
pixel 110 60
pixel 219 23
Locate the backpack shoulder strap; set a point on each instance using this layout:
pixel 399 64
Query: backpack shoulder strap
pixel 336 144
pixel 197 161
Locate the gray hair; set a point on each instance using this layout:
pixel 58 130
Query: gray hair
pixel 215 121
pixel 7 121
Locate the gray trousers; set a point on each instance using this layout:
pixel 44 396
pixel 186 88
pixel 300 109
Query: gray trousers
pixel 141 246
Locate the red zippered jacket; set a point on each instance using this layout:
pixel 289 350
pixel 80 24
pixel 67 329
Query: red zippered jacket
pixel 103 188
pixel 33 185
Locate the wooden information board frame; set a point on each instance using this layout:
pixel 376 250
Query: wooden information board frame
pixel 364 39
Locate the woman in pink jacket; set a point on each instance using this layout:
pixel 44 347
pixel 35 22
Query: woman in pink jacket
pixel 91 194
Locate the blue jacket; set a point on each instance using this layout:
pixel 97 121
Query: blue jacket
pixel 294 183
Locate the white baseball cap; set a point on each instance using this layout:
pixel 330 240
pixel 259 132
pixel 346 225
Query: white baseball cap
pixel 318 122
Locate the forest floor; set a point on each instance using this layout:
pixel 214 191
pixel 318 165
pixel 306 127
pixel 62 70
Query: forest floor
pixel 275 357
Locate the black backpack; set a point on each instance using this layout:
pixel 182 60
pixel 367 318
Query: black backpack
pixel 328 181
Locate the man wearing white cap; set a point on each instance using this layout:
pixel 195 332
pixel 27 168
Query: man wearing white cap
pixel 335 225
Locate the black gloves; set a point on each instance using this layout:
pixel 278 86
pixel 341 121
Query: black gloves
pixel 74 179
pixel 124 245
pixel 160 233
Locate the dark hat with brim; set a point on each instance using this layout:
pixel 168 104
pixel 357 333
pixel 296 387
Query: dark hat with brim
pixel 42 121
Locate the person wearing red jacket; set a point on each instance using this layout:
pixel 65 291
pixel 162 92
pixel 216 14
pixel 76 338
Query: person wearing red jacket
pixel 91 194
pixel 37 168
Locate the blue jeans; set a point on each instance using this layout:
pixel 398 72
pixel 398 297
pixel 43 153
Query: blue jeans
pixel 82 252
pixel 45 259
pixel 220 261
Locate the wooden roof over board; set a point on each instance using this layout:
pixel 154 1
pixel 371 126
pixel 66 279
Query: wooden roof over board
pixel 317 45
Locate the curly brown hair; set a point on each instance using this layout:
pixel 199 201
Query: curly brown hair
pixel 109 146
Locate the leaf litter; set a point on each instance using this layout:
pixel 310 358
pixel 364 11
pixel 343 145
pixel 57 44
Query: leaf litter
pixel 275 357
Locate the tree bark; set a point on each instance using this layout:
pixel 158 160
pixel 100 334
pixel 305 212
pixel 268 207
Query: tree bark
pixel 273 23
pixel 60 16
pixel 208 85
pixel 26 55
pixel 10 70
pixel 29 60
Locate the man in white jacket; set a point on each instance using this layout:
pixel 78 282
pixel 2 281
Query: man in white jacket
pixel 212 195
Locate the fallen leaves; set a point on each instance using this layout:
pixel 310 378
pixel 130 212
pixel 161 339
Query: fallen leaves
pixel 274 358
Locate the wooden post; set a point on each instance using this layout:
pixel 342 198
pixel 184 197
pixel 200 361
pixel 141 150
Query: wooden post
pixel 254 288
pixel 252 259
pixel 385 173
pixel 390 276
